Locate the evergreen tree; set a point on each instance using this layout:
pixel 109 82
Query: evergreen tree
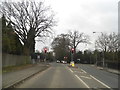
pixel 10 41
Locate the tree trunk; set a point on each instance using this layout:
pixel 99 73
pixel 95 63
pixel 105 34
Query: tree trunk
pixel 29 46
pixel 26 50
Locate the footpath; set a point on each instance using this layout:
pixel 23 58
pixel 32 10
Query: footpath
pixel 10 79
pixel 108 69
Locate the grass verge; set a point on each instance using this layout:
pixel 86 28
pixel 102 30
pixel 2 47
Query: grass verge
pixel 15 68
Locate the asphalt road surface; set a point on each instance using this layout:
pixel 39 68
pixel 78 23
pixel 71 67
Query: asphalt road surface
pixel 106 77
pixel 61 76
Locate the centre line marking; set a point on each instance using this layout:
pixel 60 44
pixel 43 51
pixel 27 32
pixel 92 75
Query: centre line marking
pixel 71 70
pixel 82 81
pixel 100 82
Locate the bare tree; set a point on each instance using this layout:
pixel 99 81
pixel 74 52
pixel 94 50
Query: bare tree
pixel 107 42
pixel 102 42
pixel 113 42
pixel 76 38
pixel 29 19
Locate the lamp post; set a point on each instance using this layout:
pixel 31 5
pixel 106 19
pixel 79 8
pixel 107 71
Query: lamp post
pixel 103 51
pixel 96 54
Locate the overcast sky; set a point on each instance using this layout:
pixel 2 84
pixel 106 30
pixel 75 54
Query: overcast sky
pixel 85 16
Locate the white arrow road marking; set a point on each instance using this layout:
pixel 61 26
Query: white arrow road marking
pixel 82 81
pixel 84 71
pixel 85 77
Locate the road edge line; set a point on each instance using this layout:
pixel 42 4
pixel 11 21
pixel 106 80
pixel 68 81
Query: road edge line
pixel 82 81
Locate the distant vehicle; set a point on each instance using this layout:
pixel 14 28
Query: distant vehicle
pixel 58 61
pixel 72 63
pixel 64 62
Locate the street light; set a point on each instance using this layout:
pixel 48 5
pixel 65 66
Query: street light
pixel 96 52
pixel 98 32
pixel 94 32
pixel 103 52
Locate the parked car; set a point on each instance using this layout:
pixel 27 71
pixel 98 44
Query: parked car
pixel 64 62
pixel 58 61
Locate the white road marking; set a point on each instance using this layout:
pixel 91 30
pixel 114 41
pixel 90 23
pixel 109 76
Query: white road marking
pixel 78 72
pixel 100 82
pixel 85 77
pixel 82 81
pixel 84 71
pixel 71 70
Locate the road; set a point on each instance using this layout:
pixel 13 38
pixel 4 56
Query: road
pixel 106 77
pixel 62 76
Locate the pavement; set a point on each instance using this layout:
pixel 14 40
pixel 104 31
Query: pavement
pixel 108 69
pixel 10 79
